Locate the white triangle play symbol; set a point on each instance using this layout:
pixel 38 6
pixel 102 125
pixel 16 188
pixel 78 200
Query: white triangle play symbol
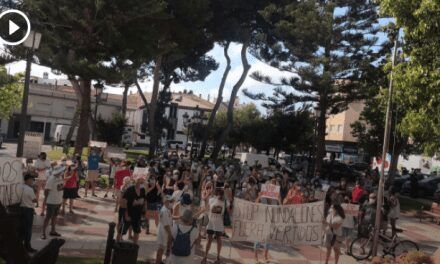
pixel 12 27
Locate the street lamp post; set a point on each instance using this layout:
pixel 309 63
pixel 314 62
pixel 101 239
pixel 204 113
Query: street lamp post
pixel 98 92
pixel 32 43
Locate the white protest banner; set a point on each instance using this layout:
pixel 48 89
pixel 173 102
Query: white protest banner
pixel 11 177
pixel 32 144
pixel 350 209
pixel 121 156
pixel 137 172
pixel 290 225
pixel 98 144
pixel 270 191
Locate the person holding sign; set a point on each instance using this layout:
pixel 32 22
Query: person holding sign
pixel 294 196
pixel 92 171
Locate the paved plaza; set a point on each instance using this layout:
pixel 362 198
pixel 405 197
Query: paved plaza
pixel 85 233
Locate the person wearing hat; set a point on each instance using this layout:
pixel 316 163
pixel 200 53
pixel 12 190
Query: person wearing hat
pixel 27 204
pixel 184 235
pixel 181 206
pixel 164 237
pixel 135 200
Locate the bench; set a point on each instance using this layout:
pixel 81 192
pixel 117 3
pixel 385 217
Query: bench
pixel 433 213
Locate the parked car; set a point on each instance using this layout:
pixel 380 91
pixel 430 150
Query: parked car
pixel 360 166
pixel 334 171
pixel 400 180
pixel 427 187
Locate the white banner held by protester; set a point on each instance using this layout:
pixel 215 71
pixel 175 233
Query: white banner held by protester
pixel 270 191
pixel 350 209
pixel 32 144
pixel 299 224
pixel 11 178
pixel 140 172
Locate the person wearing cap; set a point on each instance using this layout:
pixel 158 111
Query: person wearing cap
pixel 184 227
pixel 27 204
pixel 164 236
pixel 135 200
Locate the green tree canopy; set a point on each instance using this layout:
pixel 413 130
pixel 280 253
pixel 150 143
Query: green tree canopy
pixel 10 93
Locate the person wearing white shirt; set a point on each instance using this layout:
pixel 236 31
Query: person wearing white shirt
pixel 41 166
pixel 164 236
pixel 27 204
pixel 333 236
pixel 53 198
pixel 184 236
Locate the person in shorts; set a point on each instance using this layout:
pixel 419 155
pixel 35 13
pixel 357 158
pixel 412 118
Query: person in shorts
pixel 42 167
pixel 135 200
pixel 333 234
pixel 154 200
pixel 53 194
pixel 92 171
pixel 164 236
pixel 121 173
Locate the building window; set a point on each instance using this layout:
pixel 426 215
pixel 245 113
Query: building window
pixel 332 128
pixel 70 109
pixel 43 106
pixel 339 128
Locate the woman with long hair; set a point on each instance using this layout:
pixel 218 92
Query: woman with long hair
pixel 333 236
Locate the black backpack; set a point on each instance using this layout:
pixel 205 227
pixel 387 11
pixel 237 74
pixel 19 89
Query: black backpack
pixel 182 243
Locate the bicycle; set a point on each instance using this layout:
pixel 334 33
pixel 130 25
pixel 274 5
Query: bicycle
pixel 362 247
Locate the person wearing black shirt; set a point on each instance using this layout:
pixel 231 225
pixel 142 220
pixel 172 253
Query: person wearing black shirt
pixel 135 200
pixel 154 200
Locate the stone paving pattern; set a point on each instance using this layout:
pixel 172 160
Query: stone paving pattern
pixel 85 233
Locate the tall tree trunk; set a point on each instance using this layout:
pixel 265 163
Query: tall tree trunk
pixel 142 95
pixel 230 115
pixel 217 103
pixel 124 100
pixel 74 123
pixel 320 144
pixel 83 135
pixel 398 148
pixel 153 106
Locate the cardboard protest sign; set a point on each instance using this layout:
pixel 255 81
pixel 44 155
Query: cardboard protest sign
pixel 121 156
pixel 299 224
pixel 98 144
pixel 350 209
pixel 319 195
pixel 138 172
pixel 270 191
pixel 32 144
pixel 11 178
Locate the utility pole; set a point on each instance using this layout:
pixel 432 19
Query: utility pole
pixel 386 142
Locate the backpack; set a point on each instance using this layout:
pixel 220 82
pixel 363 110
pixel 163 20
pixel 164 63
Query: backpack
pixel 182 243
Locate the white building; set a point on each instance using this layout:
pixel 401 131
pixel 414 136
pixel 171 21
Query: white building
pixel 53 102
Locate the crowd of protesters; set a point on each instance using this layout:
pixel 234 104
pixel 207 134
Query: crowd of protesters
pixel 191 200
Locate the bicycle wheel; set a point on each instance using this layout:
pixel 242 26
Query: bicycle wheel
pixel 361 248
pixel 404 246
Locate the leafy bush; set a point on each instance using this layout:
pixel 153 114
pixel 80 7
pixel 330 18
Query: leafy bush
pixel 111 130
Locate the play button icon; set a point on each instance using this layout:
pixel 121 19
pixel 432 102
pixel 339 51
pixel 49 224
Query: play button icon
pixel 14 27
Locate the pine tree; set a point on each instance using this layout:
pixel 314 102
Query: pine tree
pixel 328 46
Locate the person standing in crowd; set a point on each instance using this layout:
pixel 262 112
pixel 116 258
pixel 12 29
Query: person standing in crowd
pixel 333 235
pixel 80 168
pixel 121 173
pixel 294 196
pixel 111 177
pixel 217 207
pixel 164 236
pixel 70 187
pixel 135 200
pixel 394 211
pixel 42 165
pixel 27 204
pixel 357 193
pixel 414 184
pixel 121 204
pixel 184 236
pixel 53 194
pixel 179 207
pixel 348 228
pixel 154 200
pixel 92 171
pixel 178 191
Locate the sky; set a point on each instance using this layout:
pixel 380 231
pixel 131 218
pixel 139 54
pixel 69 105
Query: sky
pixel 207 87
